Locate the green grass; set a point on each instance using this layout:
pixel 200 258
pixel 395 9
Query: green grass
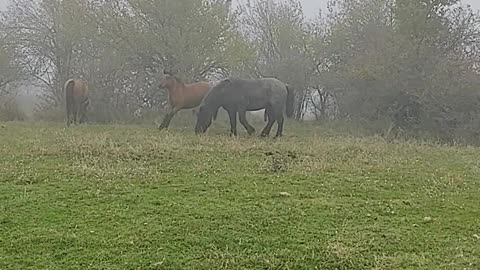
pixel 131 197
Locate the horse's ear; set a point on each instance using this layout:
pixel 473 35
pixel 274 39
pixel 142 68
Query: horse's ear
pixel 227 81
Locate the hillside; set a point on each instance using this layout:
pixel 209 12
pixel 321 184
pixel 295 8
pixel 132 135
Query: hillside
pixel 131 197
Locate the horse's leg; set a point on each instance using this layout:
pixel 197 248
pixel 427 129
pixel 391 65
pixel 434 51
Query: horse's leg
pixel 271 121
pixel 86 105
pixel 243 119
pixel 232 114
pixel 168 117
pixel 280 122
pixel 83 117
pixel 75 112
pixel 69 115
pixel 83 110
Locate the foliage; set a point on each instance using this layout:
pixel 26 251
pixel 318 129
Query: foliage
pixel 120 47
pixel 281 40
pixel 379 52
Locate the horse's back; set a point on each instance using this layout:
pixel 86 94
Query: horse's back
pixel 254 94
pixel 193 94
pixel 267 83
pixel 267 87
pixel 274 84
pixel 277 90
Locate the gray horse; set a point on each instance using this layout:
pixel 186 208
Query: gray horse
pixel 242 95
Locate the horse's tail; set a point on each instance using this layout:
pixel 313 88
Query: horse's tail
pixel 290 101
pixel 69 99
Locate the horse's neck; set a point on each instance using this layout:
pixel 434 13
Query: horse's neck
pixel 177 87
pixel 213 101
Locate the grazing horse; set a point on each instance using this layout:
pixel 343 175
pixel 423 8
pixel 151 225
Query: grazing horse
pixel 77 101
pixel 240 96
pixel 181 95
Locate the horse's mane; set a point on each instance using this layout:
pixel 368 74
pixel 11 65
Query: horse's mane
pixel 211 96
pixel 177 79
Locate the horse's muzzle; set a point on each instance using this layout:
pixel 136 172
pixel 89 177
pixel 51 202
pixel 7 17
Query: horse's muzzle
pixel 200 129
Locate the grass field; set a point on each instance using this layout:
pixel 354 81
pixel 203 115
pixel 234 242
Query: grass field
pixel 131 197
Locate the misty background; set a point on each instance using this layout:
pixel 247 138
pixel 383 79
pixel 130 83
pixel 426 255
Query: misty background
pixel 310 7
pixel 408 68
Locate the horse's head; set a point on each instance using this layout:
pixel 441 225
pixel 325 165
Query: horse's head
pixel 204 119
pixel 168 80
pixel 211 103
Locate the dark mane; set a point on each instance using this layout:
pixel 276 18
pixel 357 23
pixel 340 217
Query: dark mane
pixel 214 93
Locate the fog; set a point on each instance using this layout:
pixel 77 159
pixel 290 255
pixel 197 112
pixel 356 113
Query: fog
pixel 311 7
pixel 418 75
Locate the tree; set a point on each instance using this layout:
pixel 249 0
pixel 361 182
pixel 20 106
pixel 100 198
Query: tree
pixel 381 50
pixel 10 75
pixel 281 38
pixel 46 34
pixel 121 47
pixel 8 71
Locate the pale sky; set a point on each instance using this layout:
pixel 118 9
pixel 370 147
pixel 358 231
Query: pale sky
pixel 311 7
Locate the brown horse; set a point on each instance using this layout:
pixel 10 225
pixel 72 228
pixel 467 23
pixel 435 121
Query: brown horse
pixel 77 101
pixel 181 95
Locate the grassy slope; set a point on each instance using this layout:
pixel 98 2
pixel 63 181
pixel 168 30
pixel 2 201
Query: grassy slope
pixel 111 197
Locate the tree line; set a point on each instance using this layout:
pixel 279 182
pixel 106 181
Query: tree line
pixel 401 67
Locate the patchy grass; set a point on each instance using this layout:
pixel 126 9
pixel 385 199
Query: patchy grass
pixel 131 197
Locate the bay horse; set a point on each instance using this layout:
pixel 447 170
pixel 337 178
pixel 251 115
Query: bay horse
pixel 242 95
pixel 77 100
pixel 181 95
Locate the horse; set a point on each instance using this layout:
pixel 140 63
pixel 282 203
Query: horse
pixel 242 95
pixel 181 95
pixel 77 100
